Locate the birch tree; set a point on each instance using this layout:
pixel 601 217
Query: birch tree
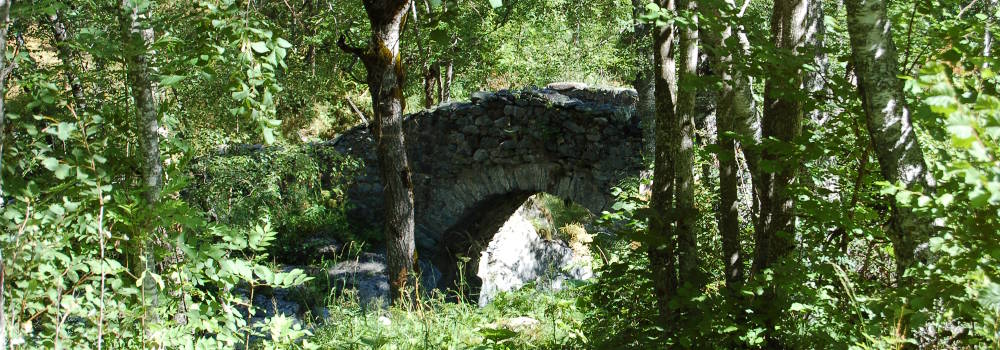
pixel 887 118
pixel 138 37
pixel 4 73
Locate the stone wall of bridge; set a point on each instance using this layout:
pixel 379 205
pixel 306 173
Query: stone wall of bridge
pixel 475 162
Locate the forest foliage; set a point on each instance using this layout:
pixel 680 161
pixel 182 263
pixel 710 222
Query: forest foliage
pixel 246 92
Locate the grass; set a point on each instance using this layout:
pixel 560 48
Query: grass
pixel 525 319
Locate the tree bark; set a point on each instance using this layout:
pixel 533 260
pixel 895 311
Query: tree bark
pixel 5 69
pixel 385 80
pixel 888 121
pixel 783 113
pixel 783 122
pixel 988 34
pixel 815 81
pixel 644 83
pixel 60 35
pixel 727 112
pixel 137 40
pixel 988 42
pixel 662 249
pixel 686 213
pixel 4 19
pixel 446 86
pixel 432 76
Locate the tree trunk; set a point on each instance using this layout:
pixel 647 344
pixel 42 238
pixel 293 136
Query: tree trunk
pixel 4 19
pixel 782 121
pixel 988 43
pixel 815 81
pixel 644 83
pixel 746 122
pixel 432 75
pixel 687 214
pixel 888 120
pixel 783 115
pixel 726 114
pixel 385 80
pixel 5 69
pixel 137 40
pixel 446 86
pixel 662 241
pixel 60 35
pixel 432 71
pixel 988 34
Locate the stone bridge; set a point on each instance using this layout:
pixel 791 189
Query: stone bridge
pixel 475 163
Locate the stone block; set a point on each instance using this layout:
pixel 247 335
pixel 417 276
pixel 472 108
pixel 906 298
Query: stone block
pixel 481 155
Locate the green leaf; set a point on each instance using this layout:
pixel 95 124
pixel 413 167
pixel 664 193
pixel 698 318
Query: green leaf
pixel 496 3
pixel 946 199
pixel 62 171
pixel 268 135
pixel 904 197
pixel 170 80
pixel 57 209
pixel 282 43
pixel 241 95
pixel 50 163
pixel 798 307
pixel 259 47
pixel 63 131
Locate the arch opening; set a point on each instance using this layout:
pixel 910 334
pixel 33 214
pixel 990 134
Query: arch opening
pixel 507 241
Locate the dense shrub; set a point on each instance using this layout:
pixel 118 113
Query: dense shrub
pixel 300 187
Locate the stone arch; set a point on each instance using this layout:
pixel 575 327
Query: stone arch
pixel 468 213
pixel 475 163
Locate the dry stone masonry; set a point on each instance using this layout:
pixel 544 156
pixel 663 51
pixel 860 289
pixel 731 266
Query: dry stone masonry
pixel 475 163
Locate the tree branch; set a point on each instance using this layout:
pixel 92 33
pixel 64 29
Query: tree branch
pixel 353 50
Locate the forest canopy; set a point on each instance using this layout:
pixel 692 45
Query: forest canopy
pixel 817 174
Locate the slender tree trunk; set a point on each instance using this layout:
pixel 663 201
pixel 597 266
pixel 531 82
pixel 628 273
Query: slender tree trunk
pixel 706 121
pixel 137 40
pixel 988 34
pixel 60 35
pixel 815 84
pixel 888 120
pixel 988 42
pixel 815 81
pixel 446 87
pixel 5 69
pixel 140 76
pixel 385 80
pixel 782 121
pixel 662 250
pixel 783 115
pixel 431 75
pixel 894 141
pixel 438 83
pixel 644 83
pixel 432 71
pixel 687 214
pixel 726 114
pixel 746 121
pixel 4 73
